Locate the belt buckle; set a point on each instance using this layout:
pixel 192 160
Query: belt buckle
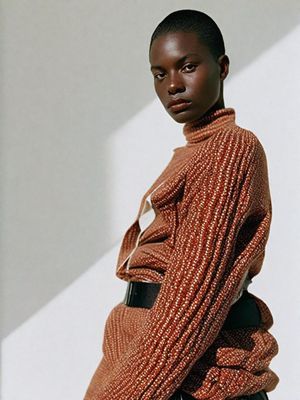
pixel 128 293
pixel 176 395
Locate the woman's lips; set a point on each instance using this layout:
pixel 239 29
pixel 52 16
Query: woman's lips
pixel 180 106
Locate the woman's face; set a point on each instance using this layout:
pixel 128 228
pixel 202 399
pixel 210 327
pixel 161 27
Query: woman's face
pixel 184 69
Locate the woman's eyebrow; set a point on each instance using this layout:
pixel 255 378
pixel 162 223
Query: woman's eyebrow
pixel 178 61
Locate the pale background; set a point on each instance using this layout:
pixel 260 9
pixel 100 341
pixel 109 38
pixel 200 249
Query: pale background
pixel 82 138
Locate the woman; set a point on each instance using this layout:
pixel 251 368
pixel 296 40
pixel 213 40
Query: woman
pixel 188 328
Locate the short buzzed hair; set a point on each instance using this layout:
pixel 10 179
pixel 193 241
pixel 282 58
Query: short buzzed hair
pixel 195 21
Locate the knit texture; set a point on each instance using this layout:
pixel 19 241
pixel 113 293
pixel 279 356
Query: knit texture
pixel 212 219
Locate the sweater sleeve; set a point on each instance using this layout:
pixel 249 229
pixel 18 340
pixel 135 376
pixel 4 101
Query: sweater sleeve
pixel 203 275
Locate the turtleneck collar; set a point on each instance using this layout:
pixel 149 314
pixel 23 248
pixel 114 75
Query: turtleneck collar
pixel 207 125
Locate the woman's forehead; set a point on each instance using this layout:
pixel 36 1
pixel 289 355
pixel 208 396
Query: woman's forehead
pixel 175 45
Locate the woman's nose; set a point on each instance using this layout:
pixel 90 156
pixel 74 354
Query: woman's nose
pixel 175 85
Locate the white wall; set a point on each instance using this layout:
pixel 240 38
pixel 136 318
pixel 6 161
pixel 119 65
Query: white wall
pixel 74 98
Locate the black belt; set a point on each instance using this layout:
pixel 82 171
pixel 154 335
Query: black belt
pixel 243 313
pixel 181 395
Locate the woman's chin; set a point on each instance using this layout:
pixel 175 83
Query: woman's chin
pixel 181 117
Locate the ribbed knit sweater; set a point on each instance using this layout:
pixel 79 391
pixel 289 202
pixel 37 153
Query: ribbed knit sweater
pixel 212 215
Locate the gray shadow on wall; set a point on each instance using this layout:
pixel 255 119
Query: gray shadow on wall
pixel 72 77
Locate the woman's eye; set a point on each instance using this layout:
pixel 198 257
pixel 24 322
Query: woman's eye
pixel 189 67
pixel 158 76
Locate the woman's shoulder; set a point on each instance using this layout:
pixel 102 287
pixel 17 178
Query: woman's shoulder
pixel 241 136
pixel 227 150
pixel 250 142
pixel 236 141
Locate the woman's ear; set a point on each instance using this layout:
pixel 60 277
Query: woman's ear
pixel 224 62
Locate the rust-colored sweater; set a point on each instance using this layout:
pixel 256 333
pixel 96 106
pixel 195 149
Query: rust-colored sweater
pixel 212 219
